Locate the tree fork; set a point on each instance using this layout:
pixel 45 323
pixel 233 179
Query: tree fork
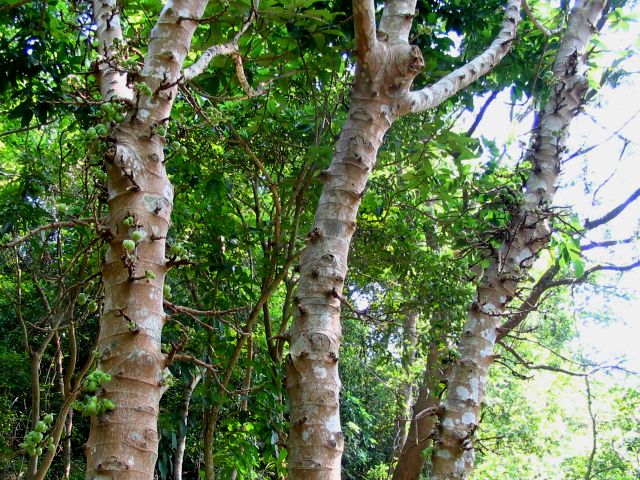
pixel 385 68
pixel 315 438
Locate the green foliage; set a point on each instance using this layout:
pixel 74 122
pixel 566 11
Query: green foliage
pixel 437 204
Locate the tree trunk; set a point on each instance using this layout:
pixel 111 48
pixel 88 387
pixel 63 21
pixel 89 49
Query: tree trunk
pixel 385 68
pixel 209 421
pixel 123 443
pixel 244 404
pixel 182 427
pixel 35 358
pixel 423 422
pixel 529 232
pixel 68 422
pixel 315 441
pixel 66 446
pixel 409 340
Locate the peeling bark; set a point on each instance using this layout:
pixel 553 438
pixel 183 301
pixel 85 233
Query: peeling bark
pixel 123 443
pixel 529 232
pixel 385 68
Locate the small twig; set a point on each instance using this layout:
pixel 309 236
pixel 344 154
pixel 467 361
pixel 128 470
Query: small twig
pixel 531 366
pixel 358 313
pixel 206 313
pixel 183 357
pixel 545 31
pixel 28 127
pixel 427 412
pixel 193 314
pixel 50 226
pixel 176 262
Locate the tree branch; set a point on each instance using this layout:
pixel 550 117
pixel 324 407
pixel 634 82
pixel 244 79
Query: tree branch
pixel 531 366
pixel 530 303
pixel 616 133
pixel 547 282
pixel 229 48
pixel 545 31
pixel 113 80
pixel 50 226
pixel 25 129
pixel 481 113
pixel 200 65
pixel 204 313
pixel 364 13
pixel 448 86
pixel 183 357
pixel 607 217
pixel 242 78
pixel 597 268
pixel 608 243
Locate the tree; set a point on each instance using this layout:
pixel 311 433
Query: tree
pixel 137 107
pixel 385 68
pixel 529 232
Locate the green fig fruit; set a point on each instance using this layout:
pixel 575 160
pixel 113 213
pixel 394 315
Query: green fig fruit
pixel 128 245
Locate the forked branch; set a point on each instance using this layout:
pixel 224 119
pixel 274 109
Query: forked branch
pixel 229 48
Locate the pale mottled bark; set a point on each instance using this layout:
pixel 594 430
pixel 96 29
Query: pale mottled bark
pixel 433 95
pixel 66 446
pixel 529 232
pixel 200 65
pixel 230 48
pixel 315 438
pixel 123 443
pixel 113 81
pixel 385 68
pixel 396 21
